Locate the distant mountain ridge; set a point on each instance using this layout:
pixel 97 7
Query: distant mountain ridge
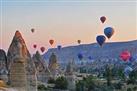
pixel 109 50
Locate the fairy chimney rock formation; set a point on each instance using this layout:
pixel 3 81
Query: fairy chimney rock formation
pixel 53 65
pixel 20 66
pixel 3 66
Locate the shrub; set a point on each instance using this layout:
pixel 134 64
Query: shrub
pixel 61 83
pixel 129 89
pixel 51 81
pixel 42 87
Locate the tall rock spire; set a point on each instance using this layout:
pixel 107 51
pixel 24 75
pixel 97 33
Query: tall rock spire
pixel 17 48
pixel 53 65
pixel 20 65
pixel 43 72
pixel 3 65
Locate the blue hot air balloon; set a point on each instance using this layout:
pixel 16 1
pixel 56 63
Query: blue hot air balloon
pixel 59 47
pixel 101 39
pixel 132 59
pixel 80 56
pixel 89 57
pixel 109 31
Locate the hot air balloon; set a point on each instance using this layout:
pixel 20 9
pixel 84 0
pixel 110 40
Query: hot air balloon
pixel 80 56
pixel 32 30
pixel 51 41
pixel 103 19
pixel 109 31
pixel 35 46
pixel 42 49
pixel 132 58
pixel 101 39
pixel 125 55
pixel 59 47
pixel 79 41
pixel 89 57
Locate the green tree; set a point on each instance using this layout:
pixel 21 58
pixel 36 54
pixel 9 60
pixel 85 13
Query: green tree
pixel 133 77
pixel 89 83
pixel 42 88
pixel 80 85
pixel 108 74
pixel 121 74
pixel 61 83
pixel 51 81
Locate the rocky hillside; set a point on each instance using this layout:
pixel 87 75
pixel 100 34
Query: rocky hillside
pixel 109 50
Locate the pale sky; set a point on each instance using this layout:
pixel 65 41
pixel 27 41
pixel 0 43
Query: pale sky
pixel 66 21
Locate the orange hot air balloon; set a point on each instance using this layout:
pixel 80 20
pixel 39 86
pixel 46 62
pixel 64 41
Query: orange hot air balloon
pixel 79 41
pixel 35 46
pixel 103 19
pixel 51 41
pixel 42 49
pixel 32 30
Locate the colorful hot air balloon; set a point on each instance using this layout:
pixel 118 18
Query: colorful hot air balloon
pixel 132 59
pixel 109 31
pixel 103 19
pixel 35 46
pixel 51 41
pixel 59 47
pixel 125 55
pixel 101 39
pixel 89 57
pixel 79 41
pixel 80 56
pixel 32 30
pixel 42 49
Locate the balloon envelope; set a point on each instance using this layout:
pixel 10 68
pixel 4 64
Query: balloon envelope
pixel 109 31
pixel 51 41
pixel 132 59
pixel 42 49
pixel 90 58
pixel 79 41
pixel 103 19
pixel 125 55
pixel 80 56
pixel 59 47
pixel 101 39
pixel 34 46
pixel 32 30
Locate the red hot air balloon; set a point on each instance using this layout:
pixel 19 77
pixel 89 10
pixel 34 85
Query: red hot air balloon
pixel 103 19
pixel 32 30
pixel 42 49
pixel 125 55
pixel 35 46
pixel 51 41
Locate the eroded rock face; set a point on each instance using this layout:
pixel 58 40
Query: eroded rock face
pixel 53 65
pixel 18 54
pixel 70 68
pixel 43 73
pixel 3 66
